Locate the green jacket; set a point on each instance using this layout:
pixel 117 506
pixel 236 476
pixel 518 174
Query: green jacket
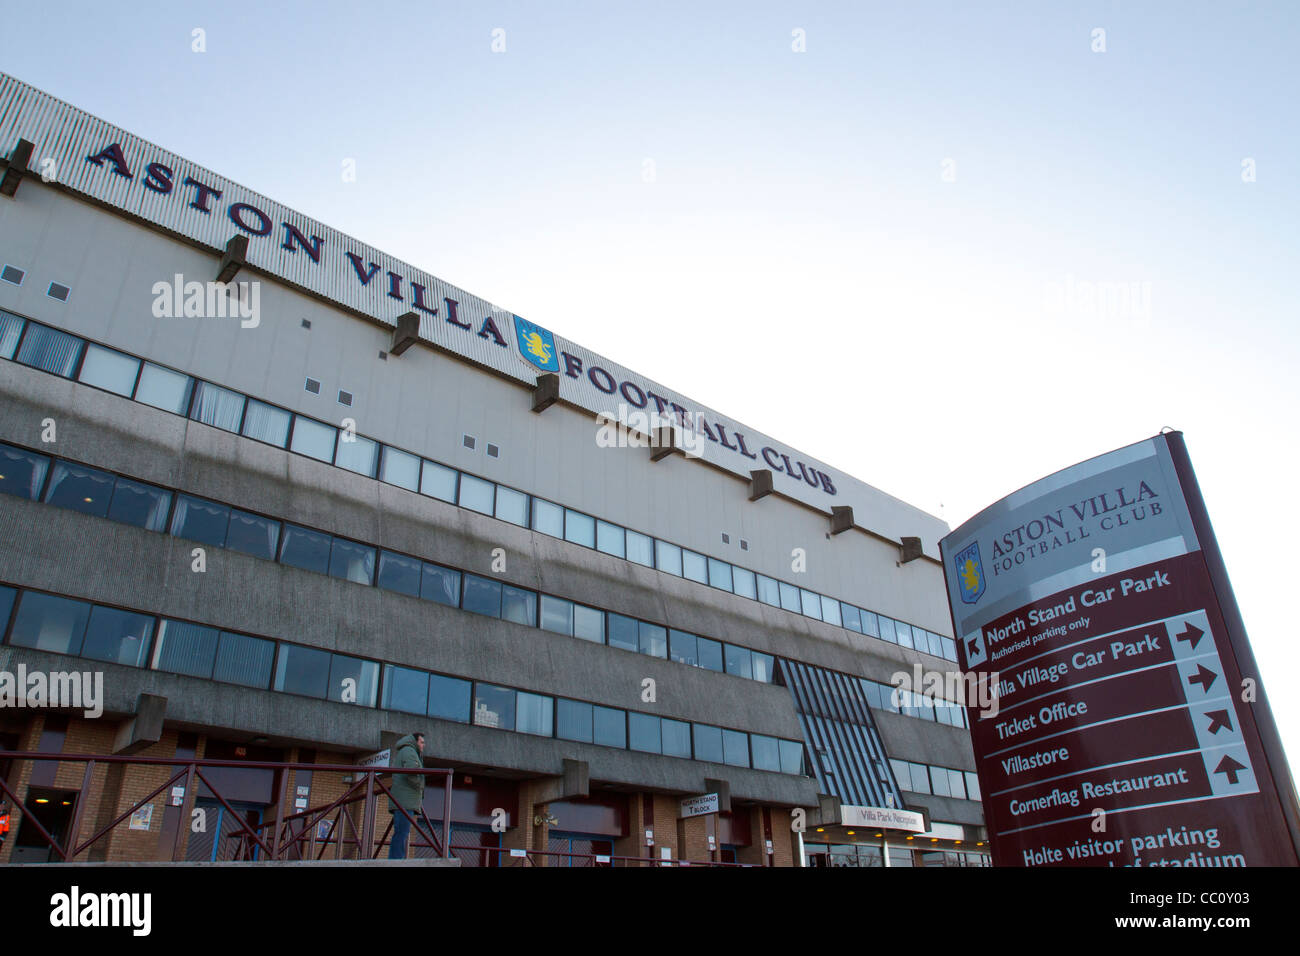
pixel 408 788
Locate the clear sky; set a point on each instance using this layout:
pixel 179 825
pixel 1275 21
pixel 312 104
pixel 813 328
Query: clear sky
pixel 874 249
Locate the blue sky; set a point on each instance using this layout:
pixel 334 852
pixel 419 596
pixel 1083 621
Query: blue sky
pixel 861 249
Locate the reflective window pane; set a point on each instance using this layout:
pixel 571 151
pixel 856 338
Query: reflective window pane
pixel 849 615
pixel 831 611
pixel 719 574
pixel 402 574
pixel 870 624
pixel 22 472
pixel 903 633
pixel 573 720
pixel 305 549
pixel 609 539
pixel 744 583
pixel 763 664
pixel 789 597
pixel 518 605
pixel 609 727
pixel 668 557
pixel 79 488
pixel 681 647
pixel 710 654
pixel 643 732
pixel 302 670
pixel 11 327
pixel 735 748
pixel 579 528
pixel 266 423
pixel 557 615
pixel 244 660
pixel 476 494
pixel 253 534
pixel 402 469
pixel 109 370
pixel 217 406
pixel 695 567
pixel 623 632
pixel 202 521
pixel 739 661
pixel 811 603
pixel 438 481
pixel 359 454
pixel 767 755
pixel 49 350
pixel 406 690
pixel 640 548
pixel 313 439
pixel 494 706
pixel 886 625
pixel 449 698
pixel 440 584
pixel 939 782
pixel 353 680
pixel 534 714
pixel 654 639
pixel 675 738
pixel 138 504
pixel 120 637
pixel 163 388
pixel 185 648
pixel 352 562
pixel 512 506
pixel 957 784
pixel 548 518
pixel 768 591
pixel 589 623
pixel 791 756
pixel 708 743
pixel 972 786
pixel 49 623
pixel 482 596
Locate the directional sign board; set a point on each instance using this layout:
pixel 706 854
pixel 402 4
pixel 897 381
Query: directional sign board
pixel 1130 727
pixel 699 806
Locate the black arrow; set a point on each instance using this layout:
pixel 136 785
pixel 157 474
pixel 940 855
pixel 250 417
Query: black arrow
pixel 1218 718
pixel 972 646
pixel 1203 676
pixel 1229 767
pixel 1193 634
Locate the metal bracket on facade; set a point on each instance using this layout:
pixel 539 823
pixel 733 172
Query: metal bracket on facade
pixel 18 167
pixel 235 258
pixel 547 391
pixel 405 333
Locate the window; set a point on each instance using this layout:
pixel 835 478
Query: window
pixel 357 454
pixel 353 680
pixel 609 539
pixel 22 473
pixel 58 290
pixel 402 574
pixel 163 388
pixel 557 614
pixel 739 661
pixel 640 548
pixel 719 574
pixel 352 562
pixel 851 618
pixel 902 773
pixel 49 623
pixel 252 534
pixel 217 406
pixel 476 494
pixel 643 733
pixel 710 654
pixel 518 605
pixel 406 690
pixel 904 634
pixel 244 660
pixel 313 439
pixel 682 648
pixel 579 528
pixel 735 748
pixel 136 503
pixel 438 481
pixel 512 506
pixel 548 518
pixel 768 591
pixel 442 585
pixel 695 567
pixel 202 521
pixel 303 670
pixel 654 639
pixel 482 596
pixel 668 557
pixel 744 583
pixel 609 727
pixel 402 469
pixel 573 720
pixel 791 756
pixel 767 755
pixel 949 648
pixel 534 714
pixel 266 423
pixel 119 637
pixel 494 706
pixel 812 603
pixel 939 782
pixel 305 549
pixel 763 664
pixel 886 629
pixel 449 698
pixel 50 350
pixel 11 328
pixel 79 488
pixel 870 625
pixel 972 786
pixel 789 597
pixel 920 778
pixel 12 275
pixel 675 736
pixel 624 632
pixel 957 783
pixel 184 648
pixel 831 611
pixel 109 370
pixel 589 623
pixel 708 743
pixel 936 643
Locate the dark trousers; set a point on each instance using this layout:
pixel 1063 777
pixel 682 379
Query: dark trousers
pixel 401 830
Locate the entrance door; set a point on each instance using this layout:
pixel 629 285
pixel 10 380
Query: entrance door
pixel 578 843
pixel 53 809
pixel 221 837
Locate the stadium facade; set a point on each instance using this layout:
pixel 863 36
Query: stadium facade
pixel 290 499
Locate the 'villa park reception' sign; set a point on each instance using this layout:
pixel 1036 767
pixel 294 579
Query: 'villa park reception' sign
pixel 1132 727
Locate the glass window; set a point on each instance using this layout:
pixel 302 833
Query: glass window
pixel 768 591
pixel 902 773
pixel 138 504
pixel 654 639
pixel 939 782
pixel 589 623
pixel 402 574
pixel 442 585
pixel 353 680
pixel 886 629
pixel 573 720
pixel 217 406
pixel 870 624
pixel 719 574
pixel 402 469
pixel 957 784
pixel 244 660
pixel 708 743
pixel 79 488
pixel 735 748
pixel 609 539
pixel 267 423
pixel 791 756
pixel 763 664
pixel 252 534
pixel 118 636
pixel 548 518
pixel 494 706
pixel 438 481
pixel 579 528
pixel 185 648
pixel 739 661
pixel 352 562
pixel 710 654
pixel 744 583
pixel 767 756
pixel 22 472
pixel 949 648
pixel 512 506
pixel 682 648
pixel 609 727
pixel 695 567
pixel 534 714
pixel 789 597
pixel 358 454
pixel 904 634
pixel 812 603
pixel 675 736
pixel 303 670
pixel 405 689
pixel 202 521
pixel 871 691
pixel 851 618
pixel 831 611
pixel 920 778
pixel 49 350
pixel 109 370
pixel 49 623
pixel 11 327
pixel 640 548
pixel 476 494
pixel 313 439
pixel 305 549
pixel 623 632
pixel 668 557
pixel 936 643
pixel 449 698
pixel 518 605
pixel 482 596
pixel 972 786
pixel 643 732
pixel 163 388
pixel 557 614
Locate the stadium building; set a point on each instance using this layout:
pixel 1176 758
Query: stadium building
pixel 274 499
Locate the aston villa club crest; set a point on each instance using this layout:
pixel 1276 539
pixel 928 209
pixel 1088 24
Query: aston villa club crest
pixel 537 345
pixel 970 574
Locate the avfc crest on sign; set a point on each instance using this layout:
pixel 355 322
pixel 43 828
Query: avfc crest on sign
pixel 537 345
pixel 970 574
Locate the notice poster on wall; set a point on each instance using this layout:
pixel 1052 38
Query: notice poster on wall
pixel 1130 726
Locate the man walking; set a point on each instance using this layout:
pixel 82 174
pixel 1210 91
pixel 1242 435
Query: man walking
pixel 408 791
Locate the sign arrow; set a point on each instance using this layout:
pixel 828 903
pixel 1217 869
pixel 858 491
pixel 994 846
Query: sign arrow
pixel 1203 676
pixel 972 646
pixel 1192 633
pixel 1218 718
pixel 1229 767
